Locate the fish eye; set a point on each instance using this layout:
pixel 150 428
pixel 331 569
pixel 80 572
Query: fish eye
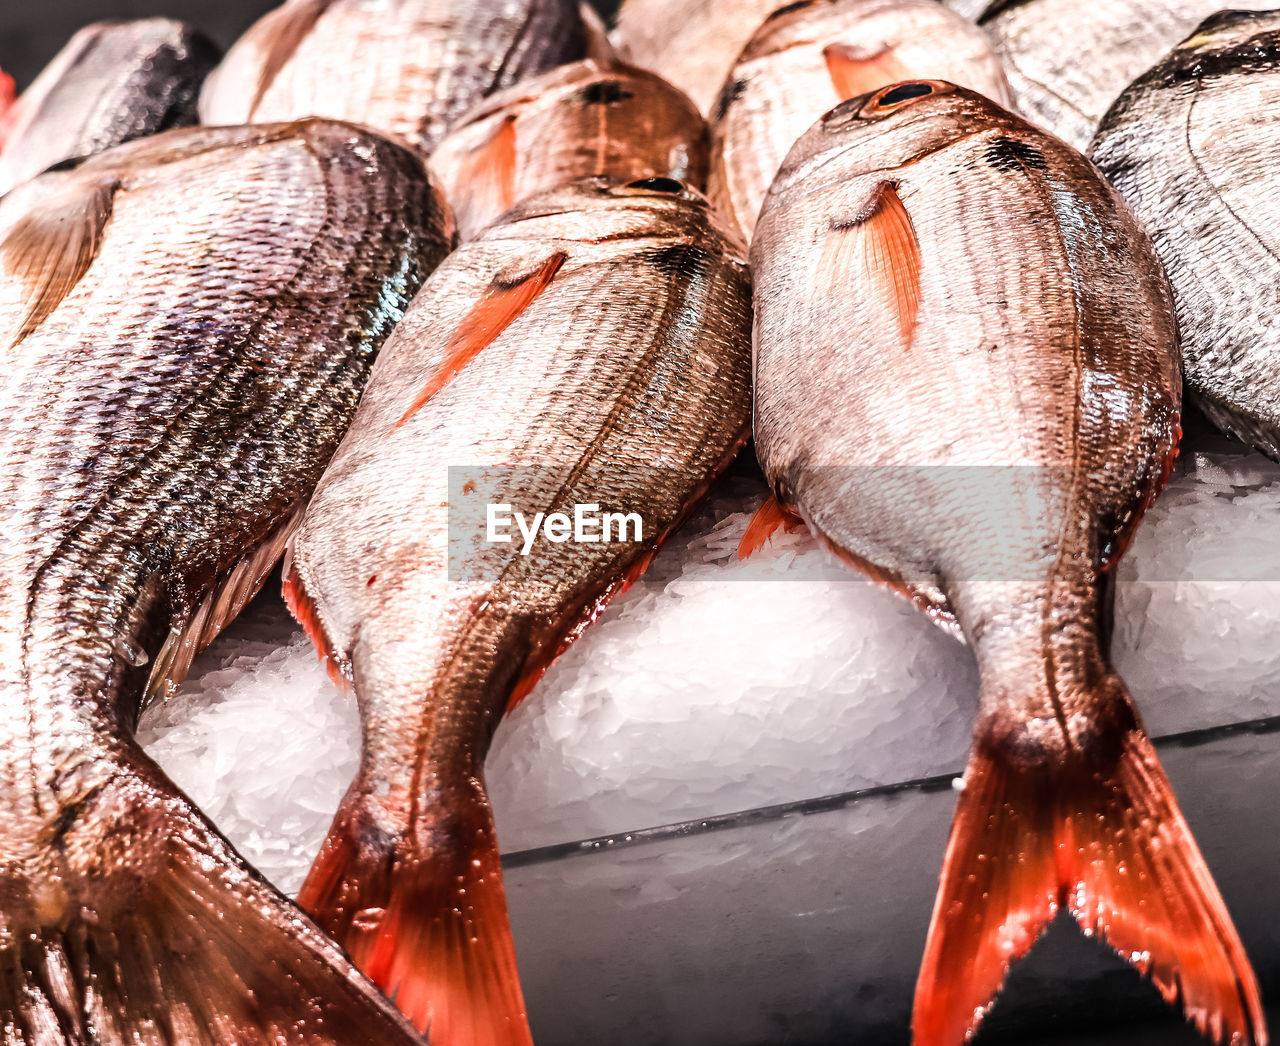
pixel 663 185
pixel 903 93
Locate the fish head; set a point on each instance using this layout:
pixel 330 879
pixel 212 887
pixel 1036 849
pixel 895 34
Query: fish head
pixel 883 131
pixel 601 209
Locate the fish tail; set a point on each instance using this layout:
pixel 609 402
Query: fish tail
pixel 131 920
pixel 422 911
pixel 1095 830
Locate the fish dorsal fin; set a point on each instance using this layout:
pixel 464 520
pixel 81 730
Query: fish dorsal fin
pixel 50 248
pixel 857 70
pixel 287 28
pixel 768 519
pixel 500 304
pixel 489 171
pixel 879 249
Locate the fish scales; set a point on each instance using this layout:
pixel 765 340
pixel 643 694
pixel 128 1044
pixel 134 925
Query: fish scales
pixel 1190 145
pixel 160 427
pixel 619 378
pixel 967 384
pixel 113 82
pixel 423 63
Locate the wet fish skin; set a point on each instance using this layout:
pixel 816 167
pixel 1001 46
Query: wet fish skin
pixel 423 63
pixel 623 379
pixel 581 120
pixel 113 82
pixel 1069 89
pixel 692 43
pixel 967 384
pixel 807 57
pixel 1189 145
pixel 161 424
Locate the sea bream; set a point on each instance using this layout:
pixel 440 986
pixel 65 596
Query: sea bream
pixel 807 57
pixel 186 323
pixel 113 82
pixel 1191 145
pixel 692 43
pixel 1067 60
pixel 590 350
pixel 967 384
pixel 422 64
pixel 581 120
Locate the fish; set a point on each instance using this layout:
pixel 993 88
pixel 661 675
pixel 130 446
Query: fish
pixel 581 120
pixel 423 64
pixel 692 43
pixel 591 350
pixel 113 82
pixel 186 322
pixel 967 386
pixel 1068 89
pixel 1189 146
pixel 808 56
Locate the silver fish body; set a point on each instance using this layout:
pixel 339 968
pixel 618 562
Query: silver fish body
pixel 1068 60
pixel 591 348
pixel 113 82
pixel 806 58
pixel 187 322
pixel 1192 146
pixel 421 64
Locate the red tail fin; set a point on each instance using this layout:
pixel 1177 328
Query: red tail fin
pixel 423 913
pixel 1100 834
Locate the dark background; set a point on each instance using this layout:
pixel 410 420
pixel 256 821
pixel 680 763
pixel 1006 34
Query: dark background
pixel 33 31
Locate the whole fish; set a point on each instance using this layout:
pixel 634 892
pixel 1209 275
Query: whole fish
pixel 967 384
pixel 421 64
pixel 692 43
pixel 574 122
pixel 113 82
pixel 1067 60
pixel 187 322
pixel 1190 147
pixel 592 349
pixel 811 55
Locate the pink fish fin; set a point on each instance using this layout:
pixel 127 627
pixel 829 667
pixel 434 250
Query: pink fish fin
pixel 487 176
pixel 282 31
pixel 423 912
pixel 214 608
pixel 1097 832
pixel 497 308
pixel 878 249
pixel 307 614
pixel 8 99
pixel 51 247
pixel 152 928
pixel 599 48
pixel 856 71
pixel 766 521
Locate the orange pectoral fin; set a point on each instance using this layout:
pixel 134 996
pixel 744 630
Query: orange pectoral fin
pixel 879 249
pixel 488 318
pixel 765 523
pixel 488 175
pixel 854 72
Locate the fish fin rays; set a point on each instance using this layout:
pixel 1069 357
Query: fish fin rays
pixel 767 520
pixel 502 302
pixel 878 249
pixel 287 28
pixel 156 930
pixel 856 71
pixel 53 245
pixel 307 614
pixel 489 171
pixel 216 609
pixel 1101 836
pixel 430 929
